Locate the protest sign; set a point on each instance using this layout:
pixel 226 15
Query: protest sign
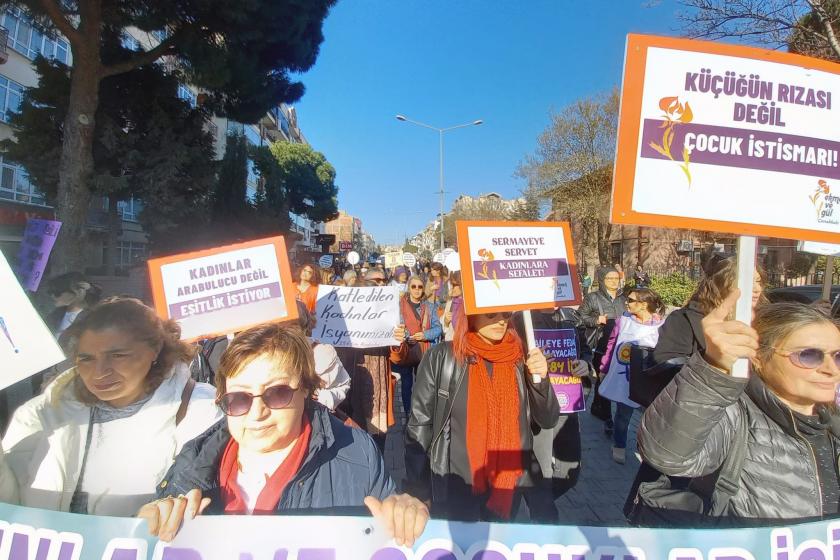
pixel 26 344
pixel 353 257
pixel 35 248
pixel 452 262
pixel 356 317
pixel 393 259
pixel 438 258
pixel 827 249
pixel 727 138
pixel 516 265
pixel 40 534
pixel 560 348
pixel 409 259
pixel 224 290
pixel 325 261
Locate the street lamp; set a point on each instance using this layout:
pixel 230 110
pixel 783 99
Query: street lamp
pixel 440 132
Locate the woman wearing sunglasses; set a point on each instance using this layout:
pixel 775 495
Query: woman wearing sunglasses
pixel 469 440
pixel 790 465
pixel 279 450
pixel 419 326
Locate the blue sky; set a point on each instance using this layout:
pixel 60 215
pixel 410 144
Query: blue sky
pixel 445 63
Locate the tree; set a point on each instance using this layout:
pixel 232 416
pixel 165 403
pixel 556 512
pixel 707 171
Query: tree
pixel 147 144
pixel 805 26
pixel 487 207
pixel 571 167
pixel 229 196
pixel 241 53
pixel 296 179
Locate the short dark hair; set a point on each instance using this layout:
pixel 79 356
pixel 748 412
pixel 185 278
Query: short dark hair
pixel 650 298
pixel 284 342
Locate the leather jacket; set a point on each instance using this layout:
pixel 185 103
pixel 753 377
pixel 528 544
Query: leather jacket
pixel 429 435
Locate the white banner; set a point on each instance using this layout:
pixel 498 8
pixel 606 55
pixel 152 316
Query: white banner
pixel 26 344
pixel 356 317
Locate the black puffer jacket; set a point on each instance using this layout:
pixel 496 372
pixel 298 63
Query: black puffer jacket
pixel 429 460
pixel 681 335
pixel 688 430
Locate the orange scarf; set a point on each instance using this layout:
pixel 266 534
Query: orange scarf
pixel 494 447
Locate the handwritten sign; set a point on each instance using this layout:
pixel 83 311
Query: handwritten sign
pixel 26 344
pixel 516 265
pixel 35 248
pixel 226 289
pixel 409 259
pixel 393 259
pixel 356 317
pixel 560 348
pixel 705 122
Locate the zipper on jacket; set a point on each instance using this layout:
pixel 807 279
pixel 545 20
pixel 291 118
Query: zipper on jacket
pixel 813 456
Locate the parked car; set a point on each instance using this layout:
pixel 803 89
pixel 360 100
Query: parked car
pixel 806 294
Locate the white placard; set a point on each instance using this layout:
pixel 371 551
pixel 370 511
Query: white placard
pixel 353 257
pixel 438 258
pixel 409 260
pixel 827 249
pixel 26 344
pixel 516 265
pixel 393 259
pixel 703 122
pixel 452 262
pixel 356 317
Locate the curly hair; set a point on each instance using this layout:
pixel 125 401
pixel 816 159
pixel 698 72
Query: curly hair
pixel 133 317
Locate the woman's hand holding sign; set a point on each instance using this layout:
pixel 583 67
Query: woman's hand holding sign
pixel 166 515
pixel 537 363
pixel 727 341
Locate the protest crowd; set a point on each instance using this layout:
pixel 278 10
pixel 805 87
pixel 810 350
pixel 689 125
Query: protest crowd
pixel 269 420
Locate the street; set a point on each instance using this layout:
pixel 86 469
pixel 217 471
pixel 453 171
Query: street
pixel 598 497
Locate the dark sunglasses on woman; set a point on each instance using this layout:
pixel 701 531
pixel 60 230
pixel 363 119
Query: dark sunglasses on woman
pixel 238 403
pixel 503 314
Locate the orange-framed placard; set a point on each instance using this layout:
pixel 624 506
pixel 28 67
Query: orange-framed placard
pixel 510 266
pixel 728 138
pixel 226 289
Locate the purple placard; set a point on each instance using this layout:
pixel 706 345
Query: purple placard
pixel 225 300
pixel 560 347
pixel 38 240
pixel 520 268
pixel 781 152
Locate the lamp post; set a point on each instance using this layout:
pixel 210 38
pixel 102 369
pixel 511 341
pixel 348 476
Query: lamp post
pixel 440 132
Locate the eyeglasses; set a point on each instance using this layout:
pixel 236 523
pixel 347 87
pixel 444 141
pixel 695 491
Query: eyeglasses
pixel 810 358
pixel 416 287
pixel 238 403
pixel 504 315
pixel 613 278
pixel 632 300
pixel 378 280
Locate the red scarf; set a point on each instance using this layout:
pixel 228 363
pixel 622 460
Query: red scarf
pixel 494 446
pixel 273 490
pixel 413 324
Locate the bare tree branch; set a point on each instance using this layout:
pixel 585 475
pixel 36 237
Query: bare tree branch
pixel 822 15
pixel 141 59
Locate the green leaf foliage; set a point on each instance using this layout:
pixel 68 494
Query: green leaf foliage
pixel 674 289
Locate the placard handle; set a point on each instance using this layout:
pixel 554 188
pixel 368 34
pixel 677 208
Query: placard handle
pixel 747 245
pixel 530 339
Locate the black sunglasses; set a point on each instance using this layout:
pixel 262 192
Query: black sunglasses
pixel 416 287
pixel 238 403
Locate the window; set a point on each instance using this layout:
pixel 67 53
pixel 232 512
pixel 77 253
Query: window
pixel 129 210
pixel 11 95
pixel 128 253
pixel 187 95
pixel 252 182
pixel 252 135
pixel 26 39
pixel 130 43
pixel 15 185
pixel 160 35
